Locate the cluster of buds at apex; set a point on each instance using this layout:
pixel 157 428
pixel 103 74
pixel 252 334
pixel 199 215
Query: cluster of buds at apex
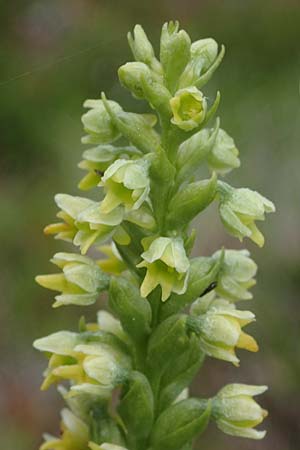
pixel 167 265
pixel 92 368
pixel 219 327
pixel 236 275
pixel 189 108
pixel 126 184
pixel 239 208
pixel 97 159
pixel 223 157
pixel 235 411
pixel 80 282
pixel 97 123
pixel 84 224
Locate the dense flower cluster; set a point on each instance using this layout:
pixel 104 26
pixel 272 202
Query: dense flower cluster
pixel 126 376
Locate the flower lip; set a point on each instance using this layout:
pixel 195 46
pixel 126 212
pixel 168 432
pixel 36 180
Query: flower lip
pixel 189 108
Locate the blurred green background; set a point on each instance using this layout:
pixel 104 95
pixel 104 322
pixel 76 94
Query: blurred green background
pixel 54 54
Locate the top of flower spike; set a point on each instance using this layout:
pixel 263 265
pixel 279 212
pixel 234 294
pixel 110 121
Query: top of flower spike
pixel 129 175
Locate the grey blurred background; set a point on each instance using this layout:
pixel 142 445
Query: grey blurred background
pixel 56 54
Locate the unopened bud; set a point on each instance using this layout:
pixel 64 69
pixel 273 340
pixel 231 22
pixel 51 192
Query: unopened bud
pixel 175 47
pixel 235 411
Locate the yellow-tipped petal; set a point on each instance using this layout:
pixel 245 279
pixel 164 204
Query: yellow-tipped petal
pixel 48 381
pixel 110 202
pixel 54 228
pixel 55 282
pixel 149 284
pixel 71 372
pixel 89 181
pixel 247 342
pixel 256 235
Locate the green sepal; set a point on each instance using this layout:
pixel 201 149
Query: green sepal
pixel 202 80
pixel 167 342
pixel 106 338
pixel 134 127
pixel 131 253
pixel 133 311
pixel 161 174
pixel 203 54
pixel 137 406
pixel 180 373
pixel 174 52
pixel 203 272
pixel 213 109
pixel 189 241
pixel 194 151
pixel 190 201
pixel 180 423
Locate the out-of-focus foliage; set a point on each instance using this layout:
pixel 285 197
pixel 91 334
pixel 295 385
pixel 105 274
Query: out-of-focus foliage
pixel 53 56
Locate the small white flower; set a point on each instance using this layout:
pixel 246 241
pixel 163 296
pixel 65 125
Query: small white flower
pixel 80 282
pixel 126 183
pixel 167 265
pixel 220 331
pixel 240 208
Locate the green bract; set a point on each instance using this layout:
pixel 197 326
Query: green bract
pixel 223 156
pixel 127 374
